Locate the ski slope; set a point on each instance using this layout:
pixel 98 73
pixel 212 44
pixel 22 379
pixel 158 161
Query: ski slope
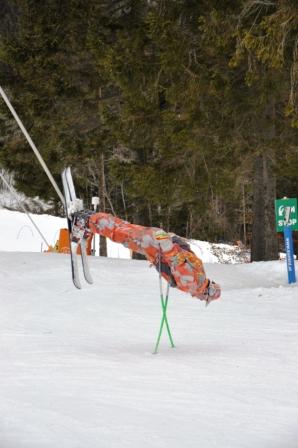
pixel 77 369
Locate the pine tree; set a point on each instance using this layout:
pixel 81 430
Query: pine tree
pixel 265 33
pixel 178 113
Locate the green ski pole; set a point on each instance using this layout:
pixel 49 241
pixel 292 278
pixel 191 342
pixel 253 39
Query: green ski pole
pixel 164 306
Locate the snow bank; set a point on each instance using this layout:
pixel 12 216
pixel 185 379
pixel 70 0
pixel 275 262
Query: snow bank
pixel 18 234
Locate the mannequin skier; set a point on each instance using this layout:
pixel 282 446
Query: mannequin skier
pixel 169 253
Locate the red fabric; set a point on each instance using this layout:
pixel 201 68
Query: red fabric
pixel 186 268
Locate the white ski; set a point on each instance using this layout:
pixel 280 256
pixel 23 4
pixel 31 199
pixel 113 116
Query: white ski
pixel 73 205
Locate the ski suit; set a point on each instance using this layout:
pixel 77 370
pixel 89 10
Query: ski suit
pixel 167 252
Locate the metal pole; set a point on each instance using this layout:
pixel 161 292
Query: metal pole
pixel 21 205
pixel 95 203
pixel 31 143
pixel 288 238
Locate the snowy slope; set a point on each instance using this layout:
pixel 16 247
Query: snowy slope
pixel 77 369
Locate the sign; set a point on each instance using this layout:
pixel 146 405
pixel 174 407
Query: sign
pixel 281 207
pixel 286 222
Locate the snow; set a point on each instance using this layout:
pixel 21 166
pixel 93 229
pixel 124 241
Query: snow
pixel 77 369
pixel 19 234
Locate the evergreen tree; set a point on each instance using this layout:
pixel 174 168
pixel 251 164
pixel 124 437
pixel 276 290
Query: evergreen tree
pixel 265 35
pixel 180 114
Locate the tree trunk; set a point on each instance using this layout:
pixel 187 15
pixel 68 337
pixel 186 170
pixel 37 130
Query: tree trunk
pixel 264 239
pixel 244 215
pixel 103 252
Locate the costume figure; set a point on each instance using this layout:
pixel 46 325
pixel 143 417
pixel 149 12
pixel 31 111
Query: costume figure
pixel 169 253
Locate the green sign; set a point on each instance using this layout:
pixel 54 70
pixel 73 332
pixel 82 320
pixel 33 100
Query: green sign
pixel 286 208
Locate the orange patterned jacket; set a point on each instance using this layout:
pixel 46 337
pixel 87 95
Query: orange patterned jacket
pixel 169 253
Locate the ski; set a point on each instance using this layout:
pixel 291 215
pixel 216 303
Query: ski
pixel 83 241
pixel 85 263
pixel 72 244
pixel 73 205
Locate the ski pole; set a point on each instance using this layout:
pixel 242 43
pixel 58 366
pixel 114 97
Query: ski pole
pixel 31 143
pixel 164 320
pixel 164 306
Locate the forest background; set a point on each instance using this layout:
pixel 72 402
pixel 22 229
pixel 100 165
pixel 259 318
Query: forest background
pixel 179 114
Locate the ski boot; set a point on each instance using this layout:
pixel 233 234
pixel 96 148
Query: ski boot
pixel 80 225
pixel 212 292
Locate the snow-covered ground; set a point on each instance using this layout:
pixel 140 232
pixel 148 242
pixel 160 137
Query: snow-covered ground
pixel 77 369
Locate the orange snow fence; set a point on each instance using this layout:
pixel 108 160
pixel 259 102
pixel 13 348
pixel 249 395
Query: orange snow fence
pixel 62 244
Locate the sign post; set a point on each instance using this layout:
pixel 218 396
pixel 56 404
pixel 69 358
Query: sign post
pixel 287 221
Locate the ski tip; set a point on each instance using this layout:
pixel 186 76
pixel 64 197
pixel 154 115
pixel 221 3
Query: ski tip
pixel 77 284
